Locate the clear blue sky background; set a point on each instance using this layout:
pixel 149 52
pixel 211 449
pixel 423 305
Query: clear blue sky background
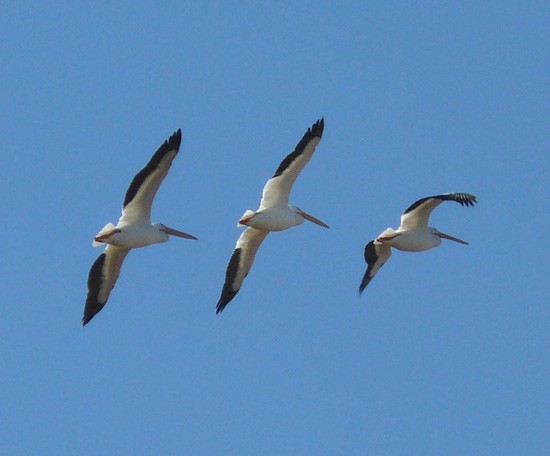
pixel 447 352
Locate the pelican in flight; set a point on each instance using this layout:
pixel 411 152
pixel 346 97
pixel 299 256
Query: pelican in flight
pixel 134 228
pixel 274 213
pixel 413 235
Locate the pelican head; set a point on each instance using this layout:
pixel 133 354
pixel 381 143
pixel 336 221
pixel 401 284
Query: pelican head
pixel 441 235
pixel 307 216
pixel 173 232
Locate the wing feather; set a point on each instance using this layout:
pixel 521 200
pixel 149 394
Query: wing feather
pixel 418 214
pixel 277 189
pixel 101 280
pixel 376 254
pixel 239 265
pixel 143 188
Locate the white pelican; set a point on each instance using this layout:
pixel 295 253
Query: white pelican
pixel 134 228
pixel 274 213
pixel 413 235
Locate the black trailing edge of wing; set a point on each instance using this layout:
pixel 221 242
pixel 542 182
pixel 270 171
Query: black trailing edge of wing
pixel 172 143
pixel 228 292
pixel 95 279
pixel 316 131
pixel 370 258
pixel 464 199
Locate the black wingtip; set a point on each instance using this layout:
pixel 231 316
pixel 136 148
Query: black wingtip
pixel 224 300
pixel 318 127
pixel 220 306
pixel 366 280
pixel 174 141
pixel 370 258
pixel 228 292
pixel 90 313
pixel 465 199
pixel 92 306
pixel 315 131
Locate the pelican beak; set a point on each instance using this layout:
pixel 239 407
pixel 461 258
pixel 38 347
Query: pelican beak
pixel 312 219
pixel 451 238
pixel 177 233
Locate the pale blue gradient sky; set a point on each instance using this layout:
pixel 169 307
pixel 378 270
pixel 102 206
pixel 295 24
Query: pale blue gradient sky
pixel 447 352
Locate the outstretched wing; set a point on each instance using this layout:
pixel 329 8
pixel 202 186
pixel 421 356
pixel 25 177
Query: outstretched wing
pixel 277 189
pixel 417 214
pixel 101 280
pixel 376 254
pixel 239 265
pixel 143 188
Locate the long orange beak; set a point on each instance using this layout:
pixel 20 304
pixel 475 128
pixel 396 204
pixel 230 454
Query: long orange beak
pixel 180 234
pixel 451 238
pixel 312 219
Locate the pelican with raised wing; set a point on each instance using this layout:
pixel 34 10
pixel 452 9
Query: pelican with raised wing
pixel 413 235
pixel 134 228
pixel 274 213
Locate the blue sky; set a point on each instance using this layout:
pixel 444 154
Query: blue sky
pixel 446 352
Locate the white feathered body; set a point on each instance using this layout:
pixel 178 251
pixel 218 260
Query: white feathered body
pixel 134 235
pixel 410 240
pixel 276 218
